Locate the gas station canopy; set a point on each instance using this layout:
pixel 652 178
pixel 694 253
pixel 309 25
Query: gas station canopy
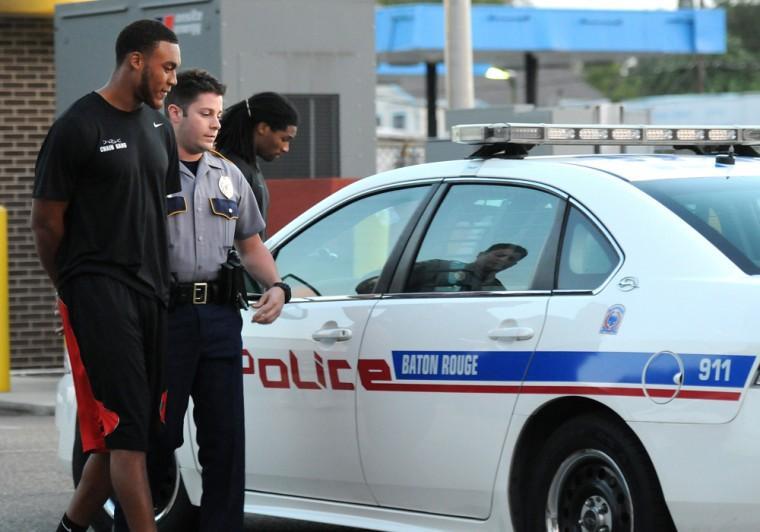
pixel 501 35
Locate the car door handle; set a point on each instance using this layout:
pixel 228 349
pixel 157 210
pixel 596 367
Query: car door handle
pixel 511 333
pixel 337 334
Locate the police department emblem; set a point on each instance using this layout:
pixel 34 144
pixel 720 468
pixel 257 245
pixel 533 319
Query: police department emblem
pixel 612 319
pixel 225 185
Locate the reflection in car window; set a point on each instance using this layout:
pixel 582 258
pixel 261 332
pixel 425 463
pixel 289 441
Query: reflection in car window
pixel 726 211
pixel 344 253
pixel 486 238
pixel 587 257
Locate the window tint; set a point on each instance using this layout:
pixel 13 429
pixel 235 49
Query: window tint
pixel 488 238
pixel 726 211
pixel 343 253
pixel 587 257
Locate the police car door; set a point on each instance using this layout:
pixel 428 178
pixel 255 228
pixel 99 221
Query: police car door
pixel 444 354
pixel 300 371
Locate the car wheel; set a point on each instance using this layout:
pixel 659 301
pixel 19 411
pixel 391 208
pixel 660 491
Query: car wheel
pixel 593 475
pixel 173 508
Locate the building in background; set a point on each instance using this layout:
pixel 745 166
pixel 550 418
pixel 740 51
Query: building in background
pixel 401 126
pixel 27 90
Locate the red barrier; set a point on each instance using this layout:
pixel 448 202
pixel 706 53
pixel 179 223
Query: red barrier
pixel 290 197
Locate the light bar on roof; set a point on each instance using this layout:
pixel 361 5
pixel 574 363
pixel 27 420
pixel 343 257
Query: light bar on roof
pixel 614 134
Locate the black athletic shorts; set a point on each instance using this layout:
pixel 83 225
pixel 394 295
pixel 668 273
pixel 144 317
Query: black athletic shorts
pixel 116 339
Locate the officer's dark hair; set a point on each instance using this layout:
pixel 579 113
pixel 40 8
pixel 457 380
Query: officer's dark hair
pixel 190 84
pixel 515 247
pixel 240 120
pixel 142 36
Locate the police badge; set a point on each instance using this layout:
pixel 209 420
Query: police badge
pixel 225 185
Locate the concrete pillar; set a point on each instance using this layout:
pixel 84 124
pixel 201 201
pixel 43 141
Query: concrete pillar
pixel 458 54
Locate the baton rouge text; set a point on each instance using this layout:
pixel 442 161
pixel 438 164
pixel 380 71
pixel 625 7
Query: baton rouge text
pixel 437 364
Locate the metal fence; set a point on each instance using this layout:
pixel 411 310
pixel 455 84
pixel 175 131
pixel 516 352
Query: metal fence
pixel 397 152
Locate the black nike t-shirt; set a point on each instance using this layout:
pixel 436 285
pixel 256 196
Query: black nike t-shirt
pixel 114 168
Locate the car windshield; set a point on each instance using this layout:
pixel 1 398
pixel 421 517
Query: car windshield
pixel 725 210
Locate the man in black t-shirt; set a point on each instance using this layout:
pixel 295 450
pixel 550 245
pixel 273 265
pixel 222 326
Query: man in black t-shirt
pixel 99 222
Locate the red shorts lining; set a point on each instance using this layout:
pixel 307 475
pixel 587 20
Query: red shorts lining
pixel 95 420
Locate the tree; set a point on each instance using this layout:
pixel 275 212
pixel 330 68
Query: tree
pixel 737 70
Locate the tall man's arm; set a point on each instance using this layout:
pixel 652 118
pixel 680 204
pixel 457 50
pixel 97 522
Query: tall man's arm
pixel 47 225
pixel 259 263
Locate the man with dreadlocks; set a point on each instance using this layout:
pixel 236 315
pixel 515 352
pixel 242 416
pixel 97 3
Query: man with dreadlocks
pixel 260 126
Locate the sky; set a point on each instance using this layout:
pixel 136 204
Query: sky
pixel 605 4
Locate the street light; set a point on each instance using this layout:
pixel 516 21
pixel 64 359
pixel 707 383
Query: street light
pixel 499 73
pixel 504 74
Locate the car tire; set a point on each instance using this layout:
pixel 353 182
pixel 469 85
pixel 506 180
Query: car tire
pixel 594 475
pixel 174 512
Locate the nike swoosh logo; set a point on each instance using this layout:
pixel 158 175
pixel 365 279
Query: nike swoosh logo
pixel 64 526
pixel 157 125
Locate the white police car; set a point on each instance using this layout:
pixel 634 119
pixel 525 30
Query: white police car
pixel 508 343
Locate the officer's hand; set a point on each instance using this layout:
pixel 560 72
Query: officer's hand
pixel 268 308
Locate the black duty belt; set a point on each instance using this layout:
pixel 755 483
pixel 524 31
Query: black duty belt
pixel 200 293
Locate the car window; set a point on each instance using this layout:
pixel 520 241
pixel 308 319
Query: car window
pixel 587 257
pixel 726 211
pixel 486 238
pixel 344 252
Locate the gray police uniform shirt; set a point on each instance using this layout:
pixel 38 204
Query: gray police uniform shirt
pixel 215 208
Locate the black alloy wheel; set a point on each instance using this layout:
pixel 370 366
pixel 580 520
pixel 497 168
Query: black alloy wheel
pixel 593 475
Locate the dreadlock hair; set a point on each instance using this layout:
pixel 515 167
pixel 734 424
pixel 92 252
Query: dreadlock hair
pixel 142 36
pixel 239 122
pixel 191 83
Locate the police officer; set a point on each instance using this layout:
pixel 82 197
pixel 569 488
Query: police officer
pixel 215 210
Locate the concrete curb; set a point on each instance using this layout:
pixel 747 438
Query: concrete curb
pixel 14 408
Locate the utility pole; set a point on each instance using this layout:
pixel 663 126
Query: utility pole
pixel 458 54
pixel 701 71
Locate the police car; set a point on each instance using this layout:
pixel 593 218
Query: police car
pixel 505 342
